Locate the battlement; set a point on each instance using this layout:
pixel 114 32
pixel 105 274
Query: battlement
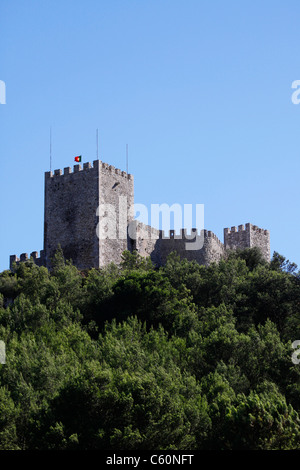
pixel 147 232
pixel 184 235
pixel 247 237
pixel 212 235
pixel 248 227
pixel 38 260
pixel 97 164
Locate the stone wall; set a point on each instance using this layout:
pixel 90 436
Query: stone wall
pixel 203 247
pixel 34 256
pixel 260 238
pixel 78 205
pixel 71 201
pixel 145 239
pixel 248 237
pixel 116 197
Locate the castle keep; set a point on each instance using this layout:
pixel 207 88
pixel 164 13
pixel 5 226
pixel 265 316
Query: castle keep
pixel 72 216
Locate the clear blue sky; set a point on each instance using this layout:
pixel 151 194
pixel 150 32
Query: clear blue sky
pixel 200 91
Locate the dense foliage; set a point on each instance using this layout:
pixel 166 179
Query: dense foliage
pixel 132 357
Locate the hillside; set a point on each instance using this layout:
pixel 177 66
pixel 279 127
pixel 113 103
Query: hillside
pixel 132 357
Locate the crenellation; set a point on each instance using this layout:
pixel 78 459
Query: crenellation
pixel 210 234
pixel 34 256
pixel 87 167
pixel 13 259
pixel 203 248
pixel 77 168
pixel 248 237
pixel 117 171
pixel 39 260
pixel 97 165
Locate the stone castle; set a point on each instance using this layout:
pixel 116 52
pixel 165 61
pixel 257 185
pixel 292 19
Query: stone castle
pixel 71 218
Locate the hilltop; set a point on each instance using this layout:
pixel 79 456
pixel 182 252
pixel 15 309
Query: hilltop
pixel 183 356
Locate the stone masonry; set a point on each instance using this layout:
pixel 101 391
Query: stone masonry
pixel 89 213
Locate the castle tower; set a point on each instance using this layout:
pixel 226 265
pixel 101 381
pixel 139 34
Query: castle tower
pixel 248 237
pixel 76 206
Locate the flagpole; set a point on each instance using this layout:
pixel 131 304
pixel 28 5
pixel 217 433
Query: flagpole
pixel 97 143
pixel 50 149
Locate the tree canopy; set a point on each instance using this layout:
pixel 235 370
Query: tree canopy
pixel 136 357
